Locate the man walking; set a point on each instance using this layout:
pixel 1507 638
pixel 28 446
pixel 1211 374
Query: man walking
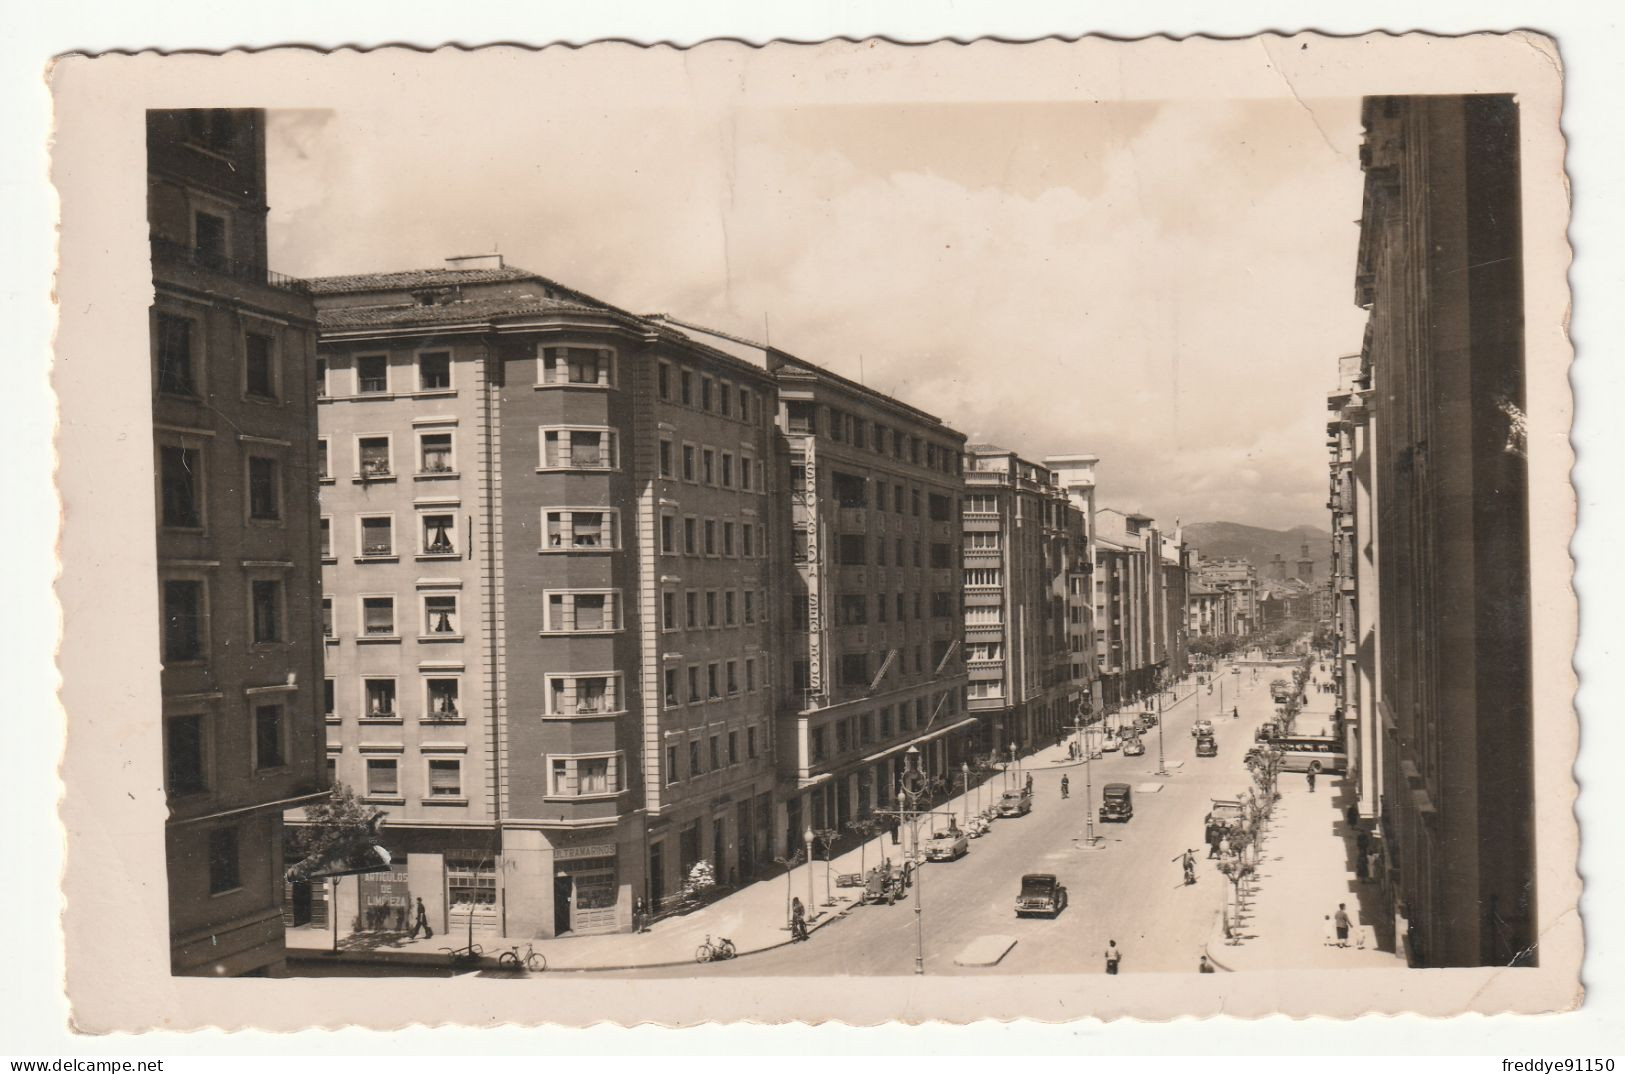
pixel 1066 787
pixel 1114 955
pixel 1341 920
pixel 421 922
pixel 1311 776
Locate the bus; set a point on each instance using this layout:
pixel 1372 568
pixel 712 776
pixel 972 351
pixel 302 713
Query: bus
pixel 1305 753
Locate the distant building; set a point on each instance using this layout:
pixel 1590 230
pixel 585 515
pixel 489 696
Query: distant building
pixel 1241 579
pixel 234 451
pixel 1428 459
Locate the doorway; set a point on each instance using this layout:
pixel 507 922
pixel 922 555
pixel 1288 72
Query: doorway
pixel 563 894
pixel 299 902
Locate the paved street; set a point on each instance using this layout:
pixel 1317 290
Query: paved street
pixel 1128 890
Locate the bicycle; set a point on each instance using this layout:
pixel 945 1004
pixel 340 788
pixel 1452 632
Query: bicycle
pixel 720 951
pixel 463 956
pixel 532 961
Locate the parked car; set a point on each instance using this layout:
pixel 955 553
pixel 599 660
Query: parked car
pixel 1041 893
pixel 1202 727
pixel 1016 803
pixel 1266 731
pixel 1116 802
pixel 1133 747
pixel 1207 747
pixel 1109 743
pixel 950 844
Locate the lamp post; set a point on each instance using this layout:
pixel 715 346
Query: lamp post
pixel 807 837
pixel 1162 766
pixel 913 754
pixel 964 768
pixel 1016 765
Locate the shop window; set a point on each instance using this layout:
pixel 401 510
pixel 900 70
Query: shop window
pixel 183 620
pixel 259 366
pixel 434 371
pixel 224 864
pixel 378 616
pixel 441 698
pixel 372 374
pixel 269 737
pixel 380 698
pixel 185 755
pixel 265 600
pixel 445 777
pixel 264 489
pixel 439 535
pixel 176 372
pixel 435 454
pixel 383 777
pixel 440 618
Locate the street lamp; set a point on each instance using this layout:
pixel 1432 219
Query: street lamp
pixel 964 768
pixel 913 753
pixel 1162 766
pixel 1016 765
pixel 807 837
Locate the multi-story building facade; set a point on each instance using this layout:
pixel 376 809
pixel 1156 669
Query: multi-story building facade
pixel 1241 578
pixel 1020 543
pixel 1354 596
pixel 1440 271
pixel 234 453
pixel 1075 475
pixel 546 532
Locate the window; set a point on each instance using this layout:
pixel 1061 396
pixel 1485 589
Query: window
pixel 750 677
pixel 181 481
pixel 708 466
pixel 434 371
pixel 732 669
pixel 692 600
pixel 224 874
pixel 747 532
pixel 686 380
pixel 268 748
pixel 711 609
pixel 942 508
pixel 727 538
pixel 578 365
pixel 693 683
pixel 440 698
pixel 725 396
pixel 668 535
pixel 209 241
pixel 852 549
pixel 942 605
pixel 843 736
pixel 733 747
pixel 880 552
pixel 377 536
pixel 665 458
pixel 440 617
pixel 866 729
pixel 800 676
pixel 716 752
pixel 264 489
pixel 727 470
pixel 941 554
pixel 901 607
pixel 372 374
pixel 744 404
pixel 378 617
pixel 259 366
pixel 185 755
pixel 914 503
pixel 383 777
pixel 798 611
pixel 728 609
pixel 379 699
pixel 574 777
pixel 670 682
pixel 706 391
pixel 880 607
pixel 713 681
pixel 710 536
pixel 885 723
pixel 445 777
pixel 329 699
pixel 691 536
pixel 750 741
pixel 321 378
pixel 439 534
pixel 373 457
pixel 265 599
pixel 577 612
pixel 324 468
pixel 854 669
pixel 746 481
pixel 327 617
pixel 850 490
pixel 579 530
pixel 750 605
pixel 761 540
pixel 688 462
pixel 583 695
pixel 663 380
pixel 854 609
pixel 820 740
pixel 798 545
pixel 668 611
pixel 578 449
pixel 802 418
pixel 981 541
pixel 671 765
pixel 694 765
pixel 176 372
pixel 435 454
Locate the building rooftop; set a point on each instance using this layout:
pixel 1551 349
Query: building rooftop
pixel 411 278
pixel 476 310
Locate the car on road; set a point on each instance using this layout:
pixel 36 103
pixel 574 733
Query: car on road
pixel 1146 720
pixel 1116 802
pixel 1016 803
pixel 1202 727
pixel 1207 747
pixel 1109 743
pixel 1041 893
pixel 1133 747
pixel 950 844
pixel 1266 731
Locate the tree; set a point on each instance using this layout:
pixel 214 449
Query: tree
pixel 340 830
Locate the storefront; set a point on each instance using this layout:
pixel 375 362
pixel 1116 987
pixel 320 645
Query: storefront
pixel 586 889
pixel 385 901
pixel 471 893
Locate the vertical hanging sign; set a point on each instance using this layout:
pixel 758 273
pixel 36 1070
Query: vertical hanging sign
pixel 815 615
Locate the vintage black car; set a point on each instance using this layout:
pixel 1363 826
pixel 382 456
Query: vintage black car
pixel 1206 746
pixel 1041 893
pixel 1116 802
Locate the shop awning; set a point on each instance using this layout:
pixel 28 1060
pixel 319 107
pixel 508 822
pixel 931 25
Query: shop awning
pixel 921 740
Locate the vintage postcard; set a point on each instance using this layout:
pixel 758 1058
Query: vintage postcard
pixel 813 532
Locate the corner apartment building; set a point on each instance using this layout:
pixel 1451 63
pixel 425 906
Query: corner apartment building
pixel 1075 475
pixel 546 533
pixel 234 455
pixel 1021 537
pixel 871 627
pixel 1440 271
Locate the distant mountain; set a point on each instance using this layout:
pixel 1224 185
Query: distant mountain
pixel 1219 540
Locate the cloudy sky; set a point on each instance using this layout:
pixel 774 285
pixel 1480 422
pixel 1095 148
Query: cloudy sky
pixel 1165 284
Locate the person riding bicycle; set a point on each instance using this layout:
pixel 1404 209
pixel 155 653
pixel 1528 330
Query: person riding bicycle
pixel 1188 863
pixel 1066 786
pixel 798 921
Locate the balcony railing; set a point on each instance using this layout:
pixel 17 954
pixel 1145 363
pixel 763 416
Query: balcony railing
pixel 237 269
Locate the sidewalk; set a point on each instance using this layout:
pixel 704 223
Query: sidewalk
pixel 1306 869
pixel 752 917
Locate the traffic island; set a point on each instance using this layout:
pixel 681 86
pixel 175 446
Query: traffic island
pixel 985 951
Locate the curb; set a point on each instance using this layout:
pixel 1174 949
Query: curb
pixel 489 962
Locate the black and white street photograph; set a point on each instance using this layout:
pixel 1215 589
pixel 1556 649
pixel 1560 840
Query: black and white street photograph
pixel 777 530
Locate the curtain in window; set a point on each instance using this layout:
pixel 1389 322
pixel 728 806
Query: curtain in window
pixel 445 778
pixel 586 449
pixel 374 458
pixel 437 534
pixel 378 616
pixel 437 453
pixel 589 529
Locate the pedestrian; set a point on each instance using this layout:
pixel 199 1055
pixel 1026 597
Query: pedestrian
pixel 1213 836
pixel 1362 839
pixel 640 915
pixel 421 922
pixel 1352 816
pixel 798 921
pixel 1341 920
pixel 1328 935
pixel 1114 955
pixel 1187 861
pixel 1066 786
pixel 1360 868
pixel 1311 777
pixel 1204 966
pixel 1373 865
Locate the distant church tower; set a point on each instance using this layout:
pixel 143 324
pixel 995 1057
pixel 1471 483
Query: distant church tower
pixel 1306 565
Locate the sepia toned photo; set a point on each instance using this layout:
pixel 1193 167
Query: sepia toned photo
pixel 820 532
